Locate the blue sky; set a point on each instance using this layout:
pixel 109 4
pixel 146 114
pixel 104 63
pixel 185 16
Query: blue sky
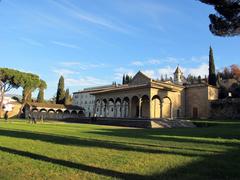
pixel 94 42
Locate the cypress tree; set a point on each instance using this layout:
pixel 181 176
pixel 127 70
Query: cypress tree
pixel 124 79
pixel 60 91
pixel 42 86
pixel 212 74
pixel 67 99
pixel 127 79
pixel 40 97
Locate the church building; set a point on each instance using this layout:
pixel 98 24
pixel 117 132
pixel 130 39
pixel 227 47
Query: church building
pixel 147 98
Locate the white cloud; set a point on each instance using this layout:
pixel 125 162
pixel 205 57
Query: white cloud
pixel 31 42
pixel 137 63
pixel 85 82
pixel 166 71
pixel 154 61
pixel 67 45
pixel 65 72
pixel 79 14
pixel 119 72
pixel 201 59
pixel 150 73
pixel 82 66
pixel 201 70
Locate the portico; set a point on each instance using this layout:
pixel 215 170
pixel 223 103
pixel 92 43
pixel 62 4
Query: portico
pixel 142 98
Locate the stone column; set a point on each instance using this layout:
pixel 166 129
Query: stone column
pixel 130 108
pixel 94 107
pixel 140 108
pixel 171 110
pixel 114 110
pixel 150 107
pixel 107 110
pixel 122 109
pixel 161 110
pixel 101 108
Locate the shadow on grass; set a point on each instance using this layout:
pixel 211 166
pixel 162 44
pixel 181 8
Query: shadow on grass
pixel 78 166
pixel 223 166
pixel 182 135
pixel 65 140
pixel 214 167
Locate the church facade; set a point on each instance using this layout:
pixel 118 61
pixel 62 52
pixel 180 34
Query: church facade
pixel 146 98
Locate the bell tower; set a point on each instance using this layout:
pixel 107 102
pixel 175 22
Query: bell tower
pixel 178 76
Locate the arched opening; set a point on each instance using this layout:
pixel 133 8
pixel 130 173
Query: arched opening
pixel 167 108
pixel 156 107
pixel 74 114
pixel 104 108
pixel 81 113
pixel 98 108
pixel 34 113
pixel 66 114
pixel 51 114
pixel 43 114
pixel 111 107
pixel 125 107
pixel 59 114
pixel 135 107
pixel 118 109
pixel 145 107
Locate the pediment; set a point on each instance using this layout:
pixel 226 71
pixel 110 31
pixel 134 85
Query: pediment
pixel 139 79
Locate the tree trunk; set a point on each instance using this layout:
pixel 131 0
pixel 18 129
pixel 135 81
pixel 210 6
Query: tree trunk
pixel 24 103
pixel 1 104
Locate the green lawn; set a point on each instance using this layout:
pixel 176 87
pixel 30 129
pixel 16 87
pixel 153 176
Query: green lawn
pixel 82 151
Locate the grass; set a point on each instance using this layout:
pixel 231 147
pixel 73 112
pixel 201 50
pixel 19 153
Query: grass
pixel 83 151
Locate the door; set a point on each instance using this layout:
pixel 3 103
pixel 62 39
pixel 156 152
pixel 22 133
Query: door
pixel 195 113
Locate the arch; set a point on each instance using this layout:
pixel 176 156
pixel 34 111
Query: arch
pixel 145 106
pixel 118 100
pixel 59 114
pixel 74 114
pixel 166 107
pixel 51 111
pixel 51 114
pixel 34 110
pixel 111 108
pixel 135 106
pixel 125 107
pixel 104 108
pixel 156 107
pixel 59 111
pixel 98 107
pixel 118 108
pixel 66 114
pixel 156 97
pixel 43 110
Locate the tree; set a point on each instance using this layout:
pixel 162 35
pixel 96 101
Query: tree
pixel 235 71
pixel 212 79
pixel 226 22
pixel 199 79
pixel 9 79
pixel 29 82
pixel 60 91
pixel 124 79
pixel 127 79
pixel 42 86
pixel 67 99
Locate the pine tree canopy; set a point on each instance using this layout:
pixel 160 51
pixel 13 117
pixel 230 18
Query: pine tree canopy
pixel 226 22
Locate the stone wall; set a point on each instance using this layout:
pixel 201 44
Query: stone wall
pixel 225 108
pixel 198 99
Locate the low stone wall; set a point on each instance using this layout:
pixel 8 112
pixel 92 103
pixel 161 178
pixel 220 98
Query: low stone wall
pixel 225 108
pixel 137 123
